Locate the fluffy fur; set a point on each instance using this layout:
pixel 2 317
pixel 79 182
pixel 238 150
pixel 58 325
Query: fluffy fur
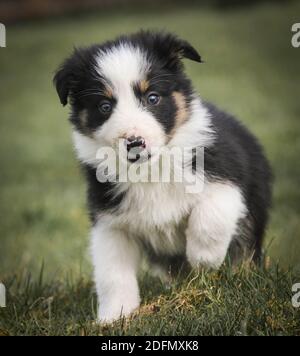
pixel 160 220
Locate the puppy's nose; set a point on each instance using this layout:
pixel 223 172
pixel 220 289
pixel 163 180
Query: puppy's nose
pixel 135 141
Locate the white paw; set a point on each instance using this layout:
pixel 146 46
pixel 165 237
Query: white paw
pixel 204 256
pixel 114 308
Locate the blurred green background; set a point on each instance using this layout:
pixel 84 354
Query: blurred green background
pixel 250 70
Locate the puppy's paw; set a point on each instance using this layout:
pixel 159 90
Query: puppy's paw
pixel 116 308
pixel 205 256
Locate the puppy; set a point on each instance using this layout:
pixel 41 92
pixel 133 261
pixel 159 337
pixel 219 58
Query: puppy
pixel 132 94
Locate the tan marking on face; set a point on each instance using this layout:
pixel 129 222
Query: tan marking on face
pixel 144 85
pixel 108 92
pixel 181 113
pixel 83 116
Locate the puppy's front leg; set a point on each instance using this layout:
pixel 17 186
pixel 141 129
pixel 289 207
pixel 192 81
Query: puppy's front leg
pixel 212 224
pixel 115 260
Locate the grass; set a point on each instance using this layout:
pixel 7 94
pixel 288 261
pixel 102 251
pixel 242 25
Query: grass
pixel 202 304
pixel 251 70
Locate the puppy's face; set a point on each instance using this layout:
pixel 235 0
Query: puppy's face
pixel 132 89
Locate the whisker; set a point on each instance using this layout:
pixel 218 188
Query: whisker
pixel 160 81
pixel 161 75
pixel 91 91
pixel 89 94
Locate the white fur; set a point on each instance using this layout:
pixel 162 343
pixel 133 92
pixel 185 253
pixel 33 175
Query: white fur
pixel 157 213
pixel 213 223
pixel 121 65
pixel 86 148
pixel 116 260
pixel 197 130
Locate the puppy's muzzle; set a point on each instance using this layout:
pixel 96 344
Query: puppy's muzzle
pixel 136 149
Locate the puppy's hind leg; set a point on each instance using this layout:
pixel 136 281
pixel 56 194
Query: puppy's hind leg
pixel 213 223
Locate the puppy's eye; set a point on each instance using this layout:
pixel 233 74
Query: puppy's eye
pixel 105 107
pixel 153 99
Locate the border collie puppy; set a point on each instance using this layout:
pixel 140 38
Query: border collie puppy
pixel 133 93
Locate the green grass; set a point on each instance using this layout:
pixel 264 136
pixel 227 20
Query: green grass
pixel 242 302
pixel 251 70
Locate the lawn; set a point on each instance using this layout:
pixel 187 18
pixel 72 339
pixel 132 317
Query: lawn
pixel 250 69
pixel 242 302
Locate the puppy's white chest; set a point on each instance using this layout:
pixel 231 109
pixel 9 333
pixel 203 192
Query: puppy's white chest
pixel 157 214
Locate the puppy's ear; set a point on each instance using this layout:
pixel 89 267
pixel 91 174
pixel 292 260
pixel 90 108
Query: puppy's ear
pixel 186 50
pixel 62 81
pixel 73 70
pixel 177 49
pixel 170 49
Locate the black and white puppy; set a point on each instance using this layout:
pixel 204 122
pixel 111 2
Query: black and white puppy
pixel 134 90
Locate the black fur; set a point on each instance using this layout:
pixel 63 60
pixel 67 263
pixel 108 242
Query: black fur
pixel 100 196
pixel 238 157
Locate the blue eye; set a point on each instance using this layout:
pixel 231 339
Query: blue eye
pixel 105 107
pixel 153 99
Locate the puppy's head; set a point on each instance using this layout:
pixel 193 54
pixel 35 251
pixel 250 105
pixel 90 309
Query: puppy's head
pixel 131 89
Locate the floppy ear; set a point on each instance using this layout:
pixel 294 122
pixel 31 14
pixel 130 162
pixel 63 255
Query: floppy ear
pixel 188 51
pixel 170 49
pixel 62 82
pixel 177 50
pixel 70 72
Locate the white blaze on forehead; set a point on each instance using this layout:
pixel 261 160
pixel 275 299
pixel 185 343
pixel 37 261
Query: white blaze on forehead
pixel 122 65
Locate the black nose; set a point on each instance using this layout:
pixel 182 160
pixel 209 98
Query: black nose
pixel 134 141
